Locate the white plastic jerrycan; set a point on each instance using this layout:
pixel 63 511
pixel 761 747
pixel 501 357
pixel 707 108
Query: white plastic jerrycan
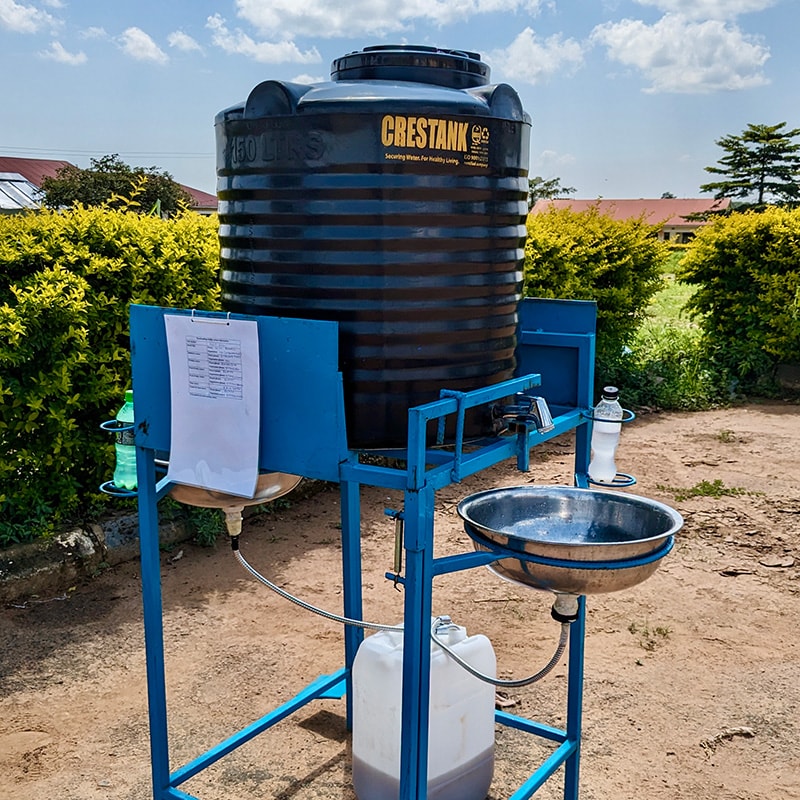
pixel 461 724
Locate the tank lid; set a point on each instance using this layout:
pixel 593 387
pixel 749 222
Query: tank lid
pixel 457 69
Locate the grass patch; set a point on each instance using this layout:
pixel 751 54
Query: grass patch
pixel 649 638
pixel 715 488
pixel 667 365
pixel 668 304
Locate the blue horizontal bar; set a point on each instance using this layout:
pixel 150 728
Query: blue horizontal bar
pixel 553 339
pixel 479 397
pixel 318 688
pixel 171 793
pixel 371 475
pixel 529 726
pixel 456 563
pixel 538 779
pixel 440 475
pixel 505 447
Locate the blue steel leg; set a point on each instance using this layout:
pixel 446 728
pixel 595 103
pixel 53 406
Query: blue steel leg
pixel 416 644
pixel 575 701
pixel 582 455
pixel 351 580
pixel 153 625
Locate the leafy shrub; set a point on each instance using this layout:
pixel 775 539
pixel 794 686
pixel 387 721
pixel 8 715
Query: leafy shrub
pixel 590 256
pixel 747 271
pixel 66 282
pixel 667 367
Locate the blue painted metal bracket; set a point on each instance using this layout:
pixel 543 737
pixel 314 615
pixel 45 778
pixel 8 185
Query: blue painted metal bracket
pixel 302 403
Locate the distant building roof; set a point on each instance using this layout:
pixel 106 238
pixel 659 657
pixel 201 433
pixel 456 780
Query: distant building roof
pixel 671 211
pixel 16 193
pixel 35 170
pixel 203 201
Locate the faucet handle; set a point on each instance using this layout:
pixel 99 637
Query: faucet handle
pixel 542 411
pixel 527 408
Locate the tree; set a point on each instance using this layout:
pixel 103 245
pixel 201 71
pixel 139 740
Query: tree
pixel 110 181
pixel 541 189
pixel 762 162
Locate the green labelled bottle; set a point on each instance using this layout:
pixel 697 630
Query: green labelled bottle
pixel 125 469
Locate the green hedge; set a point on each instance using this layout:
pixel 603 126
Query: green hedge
pixel 747 271
pixel 66 282
pixel 590 256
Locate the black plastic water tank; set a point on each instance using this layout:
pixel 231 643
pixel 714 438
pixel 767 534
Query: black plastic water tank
pixel 392 200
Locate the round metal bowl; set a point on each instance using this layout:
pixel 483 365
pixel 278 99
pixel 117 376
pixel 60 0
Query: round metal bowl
pixel 565 539
pixel 270 486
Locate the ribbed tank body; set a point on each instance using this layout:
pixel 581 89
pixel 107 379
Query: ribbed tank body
pixel 394 207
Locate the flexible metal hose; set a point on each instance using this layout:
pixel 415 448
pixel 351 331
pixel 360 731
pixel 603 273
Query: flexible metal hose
pixel 307 606
pixel 562 642
pixel 546 670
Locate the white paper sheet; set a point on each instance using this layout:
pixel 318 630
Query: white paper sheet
pixel 215 390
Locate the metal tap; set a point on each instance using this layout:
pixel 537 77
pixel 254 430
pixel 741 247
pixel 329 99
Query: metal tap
pixel 525 409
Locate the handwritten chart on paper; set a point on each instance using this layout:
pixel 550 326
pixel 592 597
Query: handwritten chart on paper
pixel 215 390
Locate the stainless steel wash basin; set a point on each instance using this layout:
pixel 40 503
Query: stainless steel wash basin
pixel 570 540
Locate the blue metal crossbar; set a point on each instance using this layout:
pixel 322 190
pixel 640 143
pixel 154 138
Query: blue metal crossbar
pixel 328 686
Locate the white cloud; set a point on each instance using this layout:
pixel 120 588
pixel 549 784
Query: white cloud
pixel 56 52
pixel 23 19
pixel 533 60
pixel 324 19
pixel 182 41
pixel 307 79
pixel 550 160
pixel 681 56
pixel 94 33
pixel 239 43
pixel 710 9
pixel 137 44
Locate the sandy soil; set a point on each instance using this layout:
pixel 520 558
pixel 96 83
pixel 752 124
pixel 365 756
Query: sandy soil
pixel 692 677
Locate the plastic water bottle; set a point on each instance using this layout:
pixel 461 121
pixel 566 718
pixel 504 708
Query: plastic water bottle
pixel 125 469
pixel 605 436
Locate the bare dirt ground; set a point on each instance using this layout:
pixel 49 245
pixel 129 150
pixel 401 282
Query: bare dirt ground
pixel 692 677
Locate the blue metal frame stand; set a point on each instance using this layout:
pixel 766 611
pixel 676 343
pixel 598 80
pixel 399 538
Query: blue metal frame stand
pixel 301 382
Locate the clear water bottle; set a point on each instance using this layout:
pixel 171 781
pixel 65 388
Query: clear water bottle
pixel 125 468
pixel 605 436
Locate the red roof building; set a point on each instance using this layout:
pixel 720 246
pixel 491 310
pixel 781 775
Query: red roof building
pixel 676 217
pixel 35 170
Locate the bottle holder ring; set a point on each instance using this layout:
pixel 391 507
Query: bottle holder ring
pixel 627 416
pixel 109 487
pixel 620 479
pixel 113 426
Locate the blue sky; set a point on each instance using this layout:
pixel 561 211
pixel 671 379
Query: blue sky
pixel 627 97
